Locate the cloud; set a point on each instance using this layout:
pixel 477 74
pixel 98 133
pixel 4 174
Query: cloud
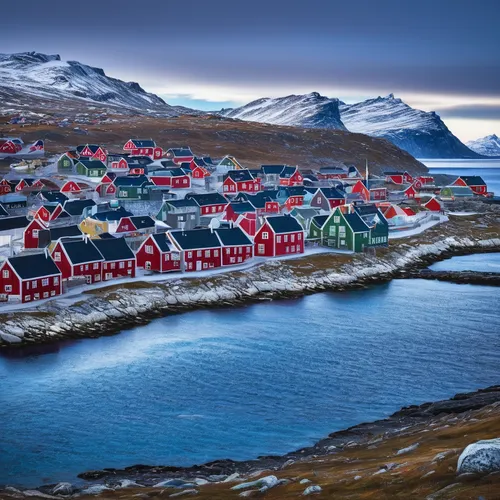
pixel 472 111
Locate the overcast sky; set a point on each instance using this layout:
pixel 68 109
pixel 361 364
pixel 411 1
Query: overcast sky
pixel 440 55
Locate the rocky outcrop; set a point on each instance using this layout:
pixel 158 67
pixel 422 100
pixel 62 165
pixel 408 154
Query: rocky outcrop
pixel 481 457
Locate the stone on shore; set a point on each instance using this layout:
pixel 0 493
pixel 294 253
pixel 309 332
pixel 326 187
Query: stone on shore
pixel 312 489
pixel 63 489
pixel 480 457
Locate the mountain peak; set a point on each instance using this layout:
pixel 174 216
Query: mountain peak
pixel 487 146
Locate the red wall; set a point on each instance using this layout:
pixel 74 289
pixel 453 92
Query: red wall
pixel 239 254
pixel 191 257
pixel 208 209
pixel 12 280
pixel 268 243
pixel 118 272
pixel 285 247
pixel 31 241
pixel 92 269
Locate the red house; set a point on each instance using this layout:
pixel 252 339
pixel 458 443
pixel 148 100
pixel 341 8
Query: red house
pixel 94 151
pixel 8 146
pixel 70 187
pixel 78 258
pixel 120 165
pixel 290 176
pixel 279 235
pixel 180 155
pixel 198 168
pixel 434 205
pixel 240 181
pixel 411 192
pixel 119 259
pixel 475 182
pixel 248 223
pixel 327 198
pixel 156 254
pixel 237 247
pixel 31 233
pixel 378 194
pixel 5 187
pixel 426 179
pixel 136 224
pixel 394 177
pixel 30 277
pixel 175 178
pixel 143 147
pixel 48 213
pixel 200 249
pixel 361 189
pixel 23 184
pixel 209 204
pixel 235 208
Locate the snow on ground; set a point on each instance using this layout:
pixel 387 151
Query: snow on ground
pixel 463 214
pixel 417 230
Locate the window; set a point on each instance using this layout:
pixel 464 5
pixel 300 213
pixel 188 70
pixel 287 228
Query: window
pixel 332 230
pixel 225 188
pixel 57 256
pixel 240 250
pixel 216 253
pixel 5 274
pixel 205 265
pixel 318 199
pixel 8 288
pixel 122 265
pixel 45 282
pixel 81 268
pixel 293 248
pixel 97 277
pixel 96 265
pixel 35 233
pixel 190 254
pixel 240 259
pixel 207 253
pixel 292 238
pixel 265 235
pixel 27 285
pixel 278 239
pixel 261 249
pixel 112 265
pixel 36 296
pixel 45 295
pixel 34 284
pixel 108 276
pixel 198 253
pixel 86 267
pixel 167 257
pixel 185 181
pixel 27 298
pixel 129 263
pixel 149 249
pixel 228 251
pixel 287 249
pixel 336 219
pixel 249 250
pixel 232 260
pixel 214 209
pixel 285 238
pixel 299 236
pixel 342 230
pixel 56 280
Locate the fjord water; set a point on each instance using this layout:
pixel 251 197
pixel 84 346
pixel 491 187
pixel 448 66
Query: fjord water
pixel 243 382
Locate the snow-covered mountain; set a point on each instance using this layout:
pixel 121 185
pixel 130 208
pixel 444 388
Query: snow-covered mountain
pixel 32 75
pixel 309 111
pixel 421 133
pixel 487 146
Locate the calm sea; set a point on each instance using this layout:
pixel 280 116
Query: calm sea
pixel 238 383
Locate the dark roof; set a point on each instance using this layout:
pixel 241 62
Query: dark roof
pixel 232 236
pixel 3 212
pixel 331 193
pixel 131 180
pixel 366 209
pixel 319 220
pixel 138 161
pixel 81 251
pixel 195 239
pixel 332 170
pixel 8 223
pixel 170 164
pixel 63 231
pixel 200 162
pixel 92 147
pixel 239 175
pixel 168 172
pixel 32 266
pixel 142 222
pixel 112 215
pixel 242 207
pixel 393 172
pixel 27 180
pixel 76 207
pixel 89 164
pixel 284 224
pixel 473 180
pixel 258 200
pixel 54 196
pixel 185 202
pixel 272 169
pixel 207 199
pixel 181 151
pixel 162 241
pixel 144 143
pixel 114 249
pixel 287 172
pixel 208 161
pixel 106 236
pixel 356 223
pixel 293 190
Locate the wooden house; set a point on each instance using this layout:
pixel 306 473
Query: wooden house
pixel 209 203
pixel 304 216
pixel 293 196
pixel 143 224
pixel 199 169
pixel 91 152
pixel 240 181
pixel 133 187
pixel 332 173
pixel 105 221
pixel 327 198
pixel 49 213
pixel 291 176
pixel 143 147
pixel 279 235
pixel 30 277
pixel 452 193
pixel 156 253
pixel 237 247
pixel 183 213
pixel 175 178
pixel 78 209
pixel 360 189
pixel 119 165
pixel 433 205
pixel 235 208
pixel 47 237
pixel 67 161
pixel 264 202
pixel 425 179
pixel 394 177
pixel 5 187
pixel 271 173
pixel 52 197
pixel 31 233
pixel 378 193
pixel 200 249
pixel 248 223
pixel 375 220
pixel 119 259
pixel 180 155
pixel 13 201
pixel 23 184
pixel 90 168
pixel 475 182
pixel 229 163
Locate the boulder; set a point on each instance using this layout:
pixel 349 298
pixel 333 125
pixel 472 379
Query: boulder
pixel 480 457
pixel 264 484
pixel 63 489
pixel 312 489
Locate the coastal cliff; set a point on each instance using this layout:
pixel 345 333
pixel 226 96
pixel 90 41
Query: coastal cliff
pixel 111 309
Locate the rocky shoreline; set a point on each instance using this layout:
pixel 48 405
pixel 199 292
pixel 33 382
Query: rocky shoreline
pixel 110 310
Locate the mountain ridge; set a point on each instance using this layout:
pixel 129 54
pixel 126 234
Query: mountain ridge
pixel 486 146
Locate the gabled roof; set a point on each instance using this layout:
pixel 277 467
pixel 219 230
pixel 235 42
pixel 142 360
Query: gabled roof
pixel 63 232
pixel 332 170
pixel 283 224
pixel 242 207
pixel 170 164
pixel 112 215
pixel 91 164
pixel 239 175
pixel 232 236
pixel 272 169
pixel 114 249
pixel 332 193
pixel 207 199
pixel 138 161
pixel 199 162
pixel 319 220
pixel 142 222
pixel 13 198
pixel 258 200
pixel 162 241
pixel 356 223
pixel 144 143
pixel 473 180
pixel 185 151
pixel 185 202
pixel 131 180
pixel 17 222
pixel 81 251
pixel 194 239
pixel 304 212
pixel 92 147
pixel 460 190
pixel 293 191
pixel 54 196
pixel 393 172
pixel 76 207
pixel 31 266
pixel 168 172
pixel 287 172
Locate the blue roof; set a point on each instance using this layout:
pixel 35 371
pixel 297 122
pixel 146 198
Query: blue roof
pixel 207 199
pixel 194 239
pixel 232 236
pixel 131 180
pixel 284 224
pixel 144 143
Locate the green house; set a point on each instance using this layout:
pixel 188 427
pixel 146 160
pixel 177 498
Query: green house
pixel 65 162
pixel 91 168
pixel 133 187
pixel 454 192
pixel 375 220
pixel 345 231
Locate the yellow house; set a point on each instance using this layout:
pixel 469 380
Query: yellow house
pixel 94 227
